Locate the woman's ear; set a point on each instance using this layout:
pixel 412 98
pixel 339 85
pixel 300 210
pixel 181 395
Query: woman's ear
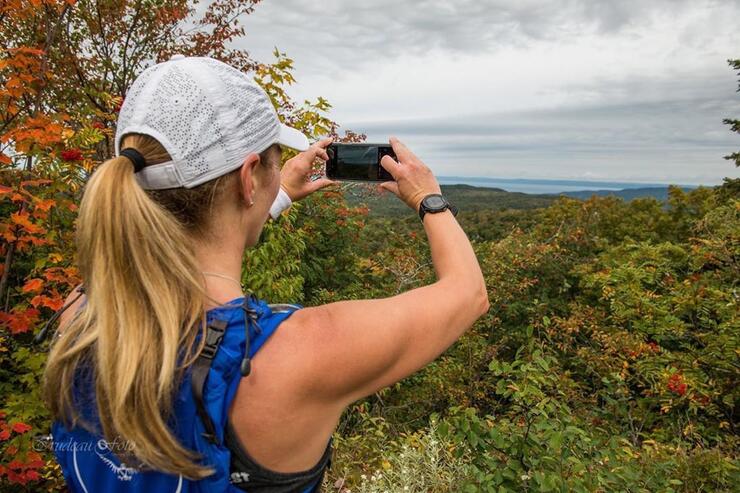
pixel 247 177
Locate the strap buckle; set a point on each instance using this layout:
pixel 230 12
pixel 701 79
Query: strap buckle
pixel 214 335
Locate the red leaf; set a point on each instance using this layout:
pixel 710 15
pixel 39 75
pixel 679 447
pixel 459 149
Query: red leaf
pixel 32 475
pixel 71 155
pixel 20 322
pixel 21 427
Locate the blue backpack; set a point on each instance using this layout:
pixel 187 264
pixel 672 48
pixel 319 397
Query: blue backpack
pixel 236 331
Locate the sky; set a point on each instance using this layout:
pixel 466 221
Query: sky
pixel 626 90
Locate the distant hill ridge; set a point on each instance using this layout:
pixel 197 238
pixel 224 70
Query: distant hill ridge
pixel 659 193
pixel 471 198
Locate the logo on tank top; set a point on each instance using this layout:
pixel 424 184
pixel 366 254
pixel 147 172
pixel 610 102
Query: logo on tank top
pixel 83 461
pixel 239 477
pixel 122 471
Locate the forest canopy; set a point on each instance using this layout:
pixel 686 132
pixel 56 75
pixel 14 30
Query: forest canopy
pixel 609 358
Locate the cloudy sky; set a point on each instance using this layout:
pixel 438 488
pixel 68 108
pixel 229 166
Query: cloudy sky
pixel 625 90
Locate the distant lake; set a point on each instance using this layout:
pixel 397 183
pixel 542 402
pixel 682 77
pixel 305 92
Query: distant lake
pixel 544 186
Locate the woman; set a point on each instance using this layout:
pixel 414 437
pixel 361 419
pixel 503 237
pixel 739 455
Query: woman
pixel 165 375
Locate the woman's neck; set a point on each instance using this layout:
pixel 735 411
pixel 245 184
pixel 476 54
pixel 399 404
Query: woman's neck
pixel 223 262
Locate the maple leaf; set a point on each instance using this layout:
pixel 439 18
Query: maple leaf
pixel 33 285
pixel 42 300
pixel 19 321
pixel 23 219
pixel 45 205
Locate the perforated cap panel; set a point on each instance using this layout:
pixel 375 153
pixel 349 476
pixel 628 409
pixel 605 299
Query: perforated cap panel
pixel 208 115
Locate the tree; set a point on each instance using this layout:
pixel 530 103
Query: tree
pixel 65 68
pixel 733 122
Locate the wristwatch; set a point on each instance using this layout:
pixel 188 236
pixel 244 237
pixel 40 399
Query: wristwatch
pixel 434 203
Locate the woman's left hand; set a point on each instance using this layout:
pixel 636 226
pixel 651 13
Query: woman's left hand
pixel 294 177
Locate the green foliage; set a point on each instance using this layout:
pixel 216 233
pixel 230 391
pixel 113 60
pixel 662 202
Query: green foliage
pixel 272 268
pixel 607 362
pixel 465 197
pixel 734 123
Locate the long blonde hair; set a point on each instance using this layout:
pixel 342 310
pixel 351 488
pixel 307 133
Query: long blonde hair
pixel 145 306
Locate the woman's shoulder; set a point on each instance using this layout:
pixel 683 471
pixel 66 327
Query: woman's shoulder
pixel 67 315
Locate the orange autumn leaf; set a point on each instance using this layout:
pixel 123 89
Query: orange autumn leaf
pixel 34 183
pixel 35 241
pixel 54 303
pixel 33 456
pixel 55 273
pixel 45 205
pixel 22 219
pixel 41 300
pixel 39 214
pixel 33 285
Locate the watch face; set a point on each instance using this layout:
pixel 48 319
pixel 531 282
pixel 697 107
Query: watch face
pixel 434 202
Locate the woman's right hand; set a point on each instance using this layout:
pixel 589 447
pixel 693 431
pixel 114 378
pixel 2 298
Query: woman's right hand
pixel 413 179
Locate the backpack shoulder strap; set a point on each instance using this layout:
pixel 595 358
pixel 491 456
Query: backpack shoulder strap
pixel 214 335
pixel 201 367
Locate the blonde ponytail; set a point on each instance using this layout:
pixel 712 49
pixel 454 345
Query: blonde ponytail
pixel 145 307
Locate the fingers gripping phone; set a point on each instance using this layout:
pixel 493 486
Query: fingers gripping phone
pixel 358 162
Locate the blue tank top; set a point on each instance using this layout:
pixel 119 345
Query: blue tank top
pixel 89 464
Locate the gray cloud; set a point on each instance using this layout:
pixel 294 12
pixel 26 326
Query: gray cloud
pixel 638 142
pixel 603 89
pixel 341 33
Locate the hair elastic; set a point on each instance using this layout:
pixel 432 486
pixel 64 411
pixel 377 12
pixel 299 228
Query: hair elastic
pixel 135 157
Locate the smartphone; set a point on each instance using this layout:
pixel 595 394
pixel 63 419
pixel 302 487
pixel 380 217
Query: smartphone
pixel 358 162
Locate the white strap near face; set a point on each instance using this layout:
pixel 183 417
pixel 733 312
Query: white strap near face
pixel 282 202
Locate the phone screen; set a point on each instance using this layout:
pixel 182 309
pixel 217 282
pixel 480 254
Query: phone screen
pixel 359 162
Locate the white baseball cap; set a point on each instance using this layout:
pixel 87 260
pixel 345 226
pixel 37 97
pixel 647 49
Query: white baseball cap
pixel 208 116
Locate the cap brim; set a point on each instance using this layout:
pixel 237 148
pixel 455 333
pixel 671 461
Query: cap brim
pixel 292 138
